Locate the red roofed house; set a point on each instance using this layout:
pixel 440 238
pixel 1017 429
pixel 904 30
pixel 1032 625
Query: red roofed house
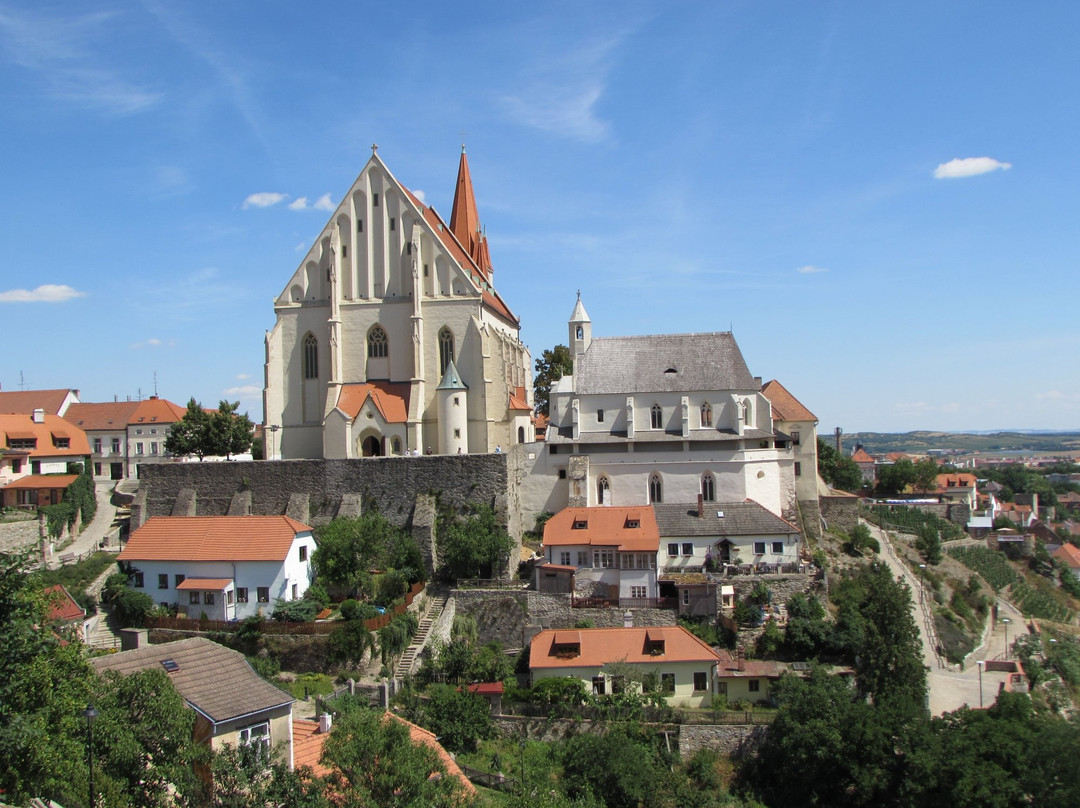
pixel 1069 555
pixel 388 299
pixel 741 679
pixel 791 418
pixel 35 453
pixel 866 465
pixel 958 488
pixel 686 667
pixel 123 434
pixel 228 567
pixel 61 608
pixel 613 549
pixel 24 402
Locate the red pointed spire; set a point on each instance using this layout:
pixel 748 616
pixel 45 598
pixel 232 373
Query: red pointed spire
pixel 465 221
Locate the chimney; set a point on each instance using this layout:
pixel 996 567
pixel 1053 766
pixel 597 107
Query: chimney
pixel 39 416
pixel 740 658
pixel 628 619
pixel 132 638
pixel 325 722
pixel 757 381
pixel 700 505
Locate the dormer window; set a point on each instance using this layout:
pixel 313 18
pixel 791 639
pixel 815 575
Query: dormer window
pixel 581 524
pixel 633 523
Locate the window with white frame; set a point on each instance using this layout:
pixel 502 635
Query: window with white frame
pixel 564 558
pixel 604 559
pixel 638 592
pixel 673 548
pixel 583 558
pixel 257 736
pixel 688 548
pixel 686 597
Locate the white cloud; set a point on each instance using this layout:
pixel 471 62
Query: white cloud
pixel 323 203
pixel 243 391
pixel 1051 395
pixel 969 167
pixel 301 247
pixel 810 269
pixel 420 195
pixel 46 293
pixel 298 204
pixel 153 342
pixel 243 376
pixel 263 200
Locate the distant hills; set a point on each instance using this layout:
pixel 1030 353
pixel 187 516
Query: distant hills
pixel 961 442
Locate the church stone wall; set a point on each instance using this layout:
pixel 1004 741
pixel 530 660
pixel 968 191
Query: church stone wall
pixel 392 484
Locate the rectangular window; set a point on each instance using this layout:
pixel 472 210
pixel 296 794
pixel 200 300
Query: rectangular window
pixel 241 594
pixel 153 431
pixel 604 559
pixel 778 548
pixel 701 681
pixel 795 438
pixel 638 592
pixel 583 558
pixel 673 548
pixel 759 548
pixel 163 580
pixel 457 434
pixel 97 445
pixel 138 580
pixel 295 591
pixel 598 685
pixel 179 579
pixel 257 736
pixel 798 469
pixel 688 548
pixel 374 200
pixel 138 447
pixel 303 552
pixel 16 466
pixel 153 448
pixel 393 224
pixel 138 431
pixel 116 445
pixel 564 558
pixel 667 682
pixel 264 594
pixel 754 685
pixel 97 469
pixel 208 598
pixel 229 597
pixel 686 597
pixel 600 416
pixel 193 598
pixel 359 225
pixel 562 474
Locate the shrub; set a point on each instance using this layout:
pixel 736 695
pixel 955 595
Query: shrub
pixel 132 607
pixel 295 611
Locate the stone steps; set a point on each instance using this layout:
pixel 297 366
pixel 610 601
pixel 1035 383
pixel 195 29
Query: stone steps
pixel 407 662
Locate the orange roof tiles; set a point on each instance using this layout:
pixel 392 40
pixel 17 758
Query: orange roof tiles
pixel 108 415
pixel 947 481
pixel 391 399
pixel 159 410
pixel 42 481
pixel 200 584
pixel 23 426
pixel 785 406
pixel 1069 553
pixel 61 606
pixel 212 538
pixel 861 456
pixel 518 400
pixel 24 402
pixel 604 526
pixel 600 646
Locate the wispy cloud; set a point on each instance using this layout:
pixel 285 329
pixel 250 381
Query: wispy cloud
pixel 420 195
pixel 323 203
pixel 243 377
pixel 810 269
pixel 299 204
pixel 60 51
pixel 969 167
pixel 171 181
pixel 243 391
pixel 153 342
pixel 265 199
pixel 562 93
pixel 46 293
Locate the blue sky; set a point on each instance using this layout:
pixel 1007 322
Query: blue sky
pixel 879 199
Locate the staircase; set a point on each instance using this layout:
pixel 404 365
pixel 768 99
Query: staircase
pixel 103 634
pixel 407 662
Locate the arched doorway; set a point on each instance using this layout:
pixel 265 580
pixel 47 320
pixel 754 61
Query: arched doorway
pixel 372 447
pixel 521 434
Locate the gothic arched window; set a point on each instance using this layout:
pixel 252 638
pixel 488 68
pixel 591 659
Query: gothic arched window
pixel 657 417
pixel 708 487
pixel 311 357
pixel 603 491
pixel 656 488
pixel 378 346
pixel 446 349
pixel 706 415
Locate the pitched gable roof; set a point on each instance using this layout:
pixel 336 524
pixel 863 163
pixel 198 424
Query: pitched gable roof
pixel 212 538
pixel 596 647
pixel 61 606
pixel 1070 554
pixel 604 526
pixel 861 456
pixel 114 415
pixel 785 406
pixel 747 518
pixel 53 426
pixel 662 363
pixel 159 410
pixel 214 680
pixel 24 402
pixel 391 399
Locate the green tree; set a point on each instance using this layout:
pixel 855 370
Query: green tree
pixel 351 642
pixel 895 478
pixel 229 433
pixel 838 470
pixel 347 548
pixel 458 718
pixel 474 547
pixel 550 367
pixel 928 543
pixel 188 435
pixel 926 472
pixel 376 763
pixel 890 664
pixel 620 767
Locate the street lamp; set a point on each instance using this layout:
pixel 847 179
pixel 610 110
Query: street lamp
pixel 90 714
pixel 1006 621
pixel 980 663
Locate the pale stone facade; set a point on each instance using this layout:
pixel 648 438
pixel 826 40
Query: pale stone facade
pixel 388 297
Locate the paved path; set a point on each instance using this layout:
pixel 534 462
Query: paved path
pixel 95 532
pixel 951 688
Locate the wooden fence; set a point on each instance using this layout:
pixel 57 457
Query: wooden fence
pixel 284 627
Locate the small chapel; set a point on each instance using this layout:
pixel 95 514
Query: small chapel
pixel 390 338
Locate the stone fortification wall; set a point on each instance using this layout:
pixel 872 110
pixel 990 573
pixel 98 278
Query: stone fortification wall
pixel 733 740
pixel 329 487
pixel 840 513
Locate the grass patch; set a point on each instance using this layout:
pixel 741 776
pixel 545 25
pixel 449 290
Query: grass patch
pixel 315 684
pixel 76 577
pixel 955 643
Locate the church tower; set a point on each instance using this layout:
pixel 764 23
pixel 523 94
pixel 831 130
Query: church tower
pixel 580 330
pixel 453 401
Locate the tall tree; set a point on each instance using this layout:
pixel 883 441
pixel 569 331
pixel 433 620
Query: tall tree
pixel 550 367
pixel 890 659
pixel 229 432
pixel 895 478
pixel 188 435
pixel 475 547
pixel 926 472
pixel 836 469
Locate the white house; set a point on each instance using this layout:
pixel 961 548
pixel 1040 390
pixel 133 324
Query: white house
pixel 228 567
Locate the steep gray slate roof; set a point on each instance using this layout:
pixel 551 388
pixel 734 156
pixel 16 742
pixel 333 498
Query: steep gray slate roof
pixel 638 364
pixel 215 680
pixel 740 519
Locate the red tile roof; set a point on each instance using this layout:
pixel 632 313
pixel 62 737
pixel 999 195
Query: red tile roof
pixel 24 402
pixel 41 481
pixel 391 399
pixel 23 426
pixel 731 668
pixel 604 526
pixel 159 410
pixel 945 482
pixel 518 400
pixel 486 688
pixel 212 538
pixel 599 646
pixel 110 415
pixel 61 605
pixel 861 456
pixel 785 406
pixel 202 584
pixel 1070 554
